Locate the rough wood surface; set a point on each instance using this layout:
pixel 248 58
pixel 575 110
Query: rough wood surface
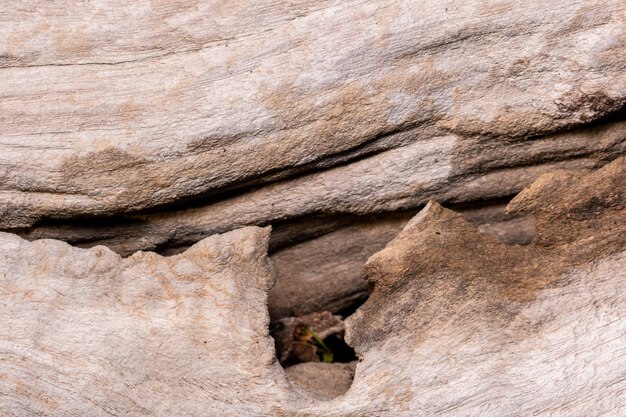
pixel 325 273
pixel 87 333
pixel 458 322
pixel 108 109
pixel 324 381
pixel 502 330
pixel 199 118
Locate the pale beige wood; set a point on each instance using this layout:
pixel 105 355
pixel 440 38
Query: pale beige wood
pixel 458 323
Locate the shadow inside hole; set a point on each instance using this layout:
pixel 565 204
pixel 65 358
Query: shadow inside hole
pixel 312 350
pixel 342 352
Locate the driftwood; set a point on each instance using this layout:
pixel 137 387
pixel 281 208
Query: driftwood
pixel 458 323
pixel 271 149
pixel 334 106
pixel 153 125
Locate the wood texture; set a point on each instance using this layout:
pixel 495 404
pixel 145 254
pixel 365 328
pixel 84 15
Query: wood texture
pixel 458 322
pixel 108 109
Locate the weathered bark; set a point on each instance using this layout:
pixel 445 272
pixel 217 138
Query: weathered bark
pixel 458 322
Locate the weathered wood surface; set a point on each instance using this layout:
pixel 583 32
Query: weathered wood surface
pixel 458 322
pixel 153 125
pixel 111 108
pixel 85 332
pixel 325 273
